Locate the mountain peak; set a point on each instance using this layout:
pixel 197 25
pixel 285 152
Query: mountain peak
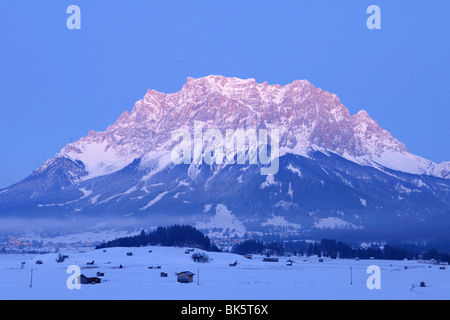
pixel 363 114
pixel 304 115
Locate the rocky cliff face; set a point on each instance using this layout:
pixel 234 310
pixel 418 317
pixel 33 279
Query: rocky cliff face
pixel 305 116
pixel 337 171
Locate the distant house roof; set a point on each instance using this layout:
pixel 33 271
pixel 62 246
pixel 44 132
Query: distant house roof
pixel 188 273
pixel 86 280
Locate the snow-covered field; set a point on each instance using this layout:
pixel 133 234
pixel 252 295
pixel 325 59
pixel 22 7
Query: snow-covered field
pixel 252 279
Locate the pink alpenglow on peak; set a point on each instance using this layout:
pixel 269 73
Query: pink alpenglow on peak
pixel 308 118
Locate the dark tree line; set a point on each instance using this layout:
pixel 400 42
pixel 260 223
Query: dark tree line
pixel 256 247
pixel 438 256
pixel 333 249
pixel 173 236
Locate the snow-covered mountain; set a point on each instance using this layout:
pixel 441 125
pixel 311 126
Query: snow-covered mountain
pixel 306 116
pixel 337 171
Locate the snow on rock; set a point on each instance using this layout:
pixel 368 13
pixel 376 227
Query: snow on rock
pixel 333 223
pixel 290 191
pixel 155 200
pixel 402 189
pixel 279 221
pixel 95 199
pixel 363 202
pixel 295 170
pixel 86 193
pixel 285 205
pixel 222 224
pixel 308 118
pixel 270 181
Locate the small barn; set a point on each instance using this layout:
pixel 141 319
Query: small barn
pixel 86 280
pixel 163 275
pixel 185 277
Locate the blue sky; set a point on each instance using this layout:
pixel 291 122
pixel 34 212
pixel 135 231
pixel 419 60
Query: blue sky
pixel 57 84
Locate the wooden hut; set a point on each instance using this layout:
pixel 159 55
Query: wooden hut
pixel 185 277
pixel 86 280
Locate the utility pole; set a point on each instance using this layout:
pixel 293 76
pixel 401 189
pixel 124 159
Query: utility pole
pixel 31 280
pixel 351 276
pixel 198 276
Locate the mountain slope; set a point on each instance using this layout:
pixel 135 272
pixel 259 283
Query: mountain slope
pixel 338 172
pixel 306 116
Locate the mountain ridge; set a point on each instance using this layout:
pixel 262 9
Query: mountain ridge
pixel 305 115
pixel 338 173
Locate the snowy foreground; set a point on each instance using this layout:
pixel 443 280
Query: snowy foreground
pixel 252 279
